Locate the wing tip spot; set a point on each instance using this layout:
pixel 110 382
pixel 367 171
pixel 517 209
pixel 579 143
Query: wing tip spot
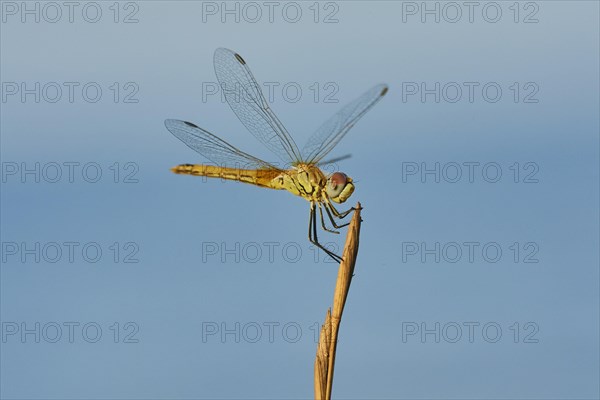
pixel 384 91
pixel 190 124
pixel 240 59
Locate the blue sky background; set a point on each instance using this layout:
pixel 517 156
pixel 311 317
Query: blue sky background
pixel 178 289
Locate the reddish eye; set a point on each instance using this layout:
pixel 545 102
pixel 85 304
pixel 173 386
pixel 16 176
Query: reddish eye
pixel 339 178
pixel 336 184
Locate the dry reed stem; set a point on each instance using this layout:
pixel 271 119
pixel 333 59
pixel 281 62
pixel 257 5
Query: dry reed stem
pixel 325 359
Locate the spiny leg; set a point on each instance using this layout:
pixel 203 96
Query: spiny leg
pixel 336 212
pixel 333 221
pixel 323 220
pixel 331 254
pixel 316 240
pixel 313 237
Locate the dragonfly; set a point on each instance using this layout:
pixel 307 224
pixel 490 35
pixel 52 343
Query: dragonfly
pixel 301 173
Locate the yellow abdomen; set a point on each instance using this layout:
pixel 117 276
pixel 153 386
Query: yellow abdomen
pixel 259 177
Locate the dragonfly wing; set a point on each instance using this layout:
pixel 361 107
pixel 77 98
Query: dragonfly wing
pixel 247 101
pixel 334 160
pixel 213 148
pixel 333 130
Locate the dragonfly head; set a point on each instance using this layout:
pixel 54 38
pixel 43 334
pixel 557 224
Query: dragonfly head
pixel 339 187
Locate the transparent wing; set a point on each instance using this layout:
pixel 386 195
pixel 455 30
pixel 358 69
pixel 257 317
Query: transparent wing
pixel 334 160
pixel 333 130
pixel 214 149
pixel 247 101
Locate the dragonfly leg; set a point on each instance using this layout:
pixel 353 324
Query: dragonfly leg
pixel 333 221
pixel 312 234
pixel 336 212
pixel 323 220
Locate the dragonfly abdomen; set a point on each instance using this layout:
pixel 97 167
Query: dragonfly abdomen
pixel 259 177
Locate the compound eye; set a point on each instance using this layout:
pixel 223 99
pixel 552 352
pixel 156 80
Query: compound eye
pixel 336 183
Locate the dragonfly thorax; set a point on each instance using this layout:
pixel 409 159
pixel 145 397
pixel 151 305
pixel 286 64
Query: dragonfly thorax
pixel 309 182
